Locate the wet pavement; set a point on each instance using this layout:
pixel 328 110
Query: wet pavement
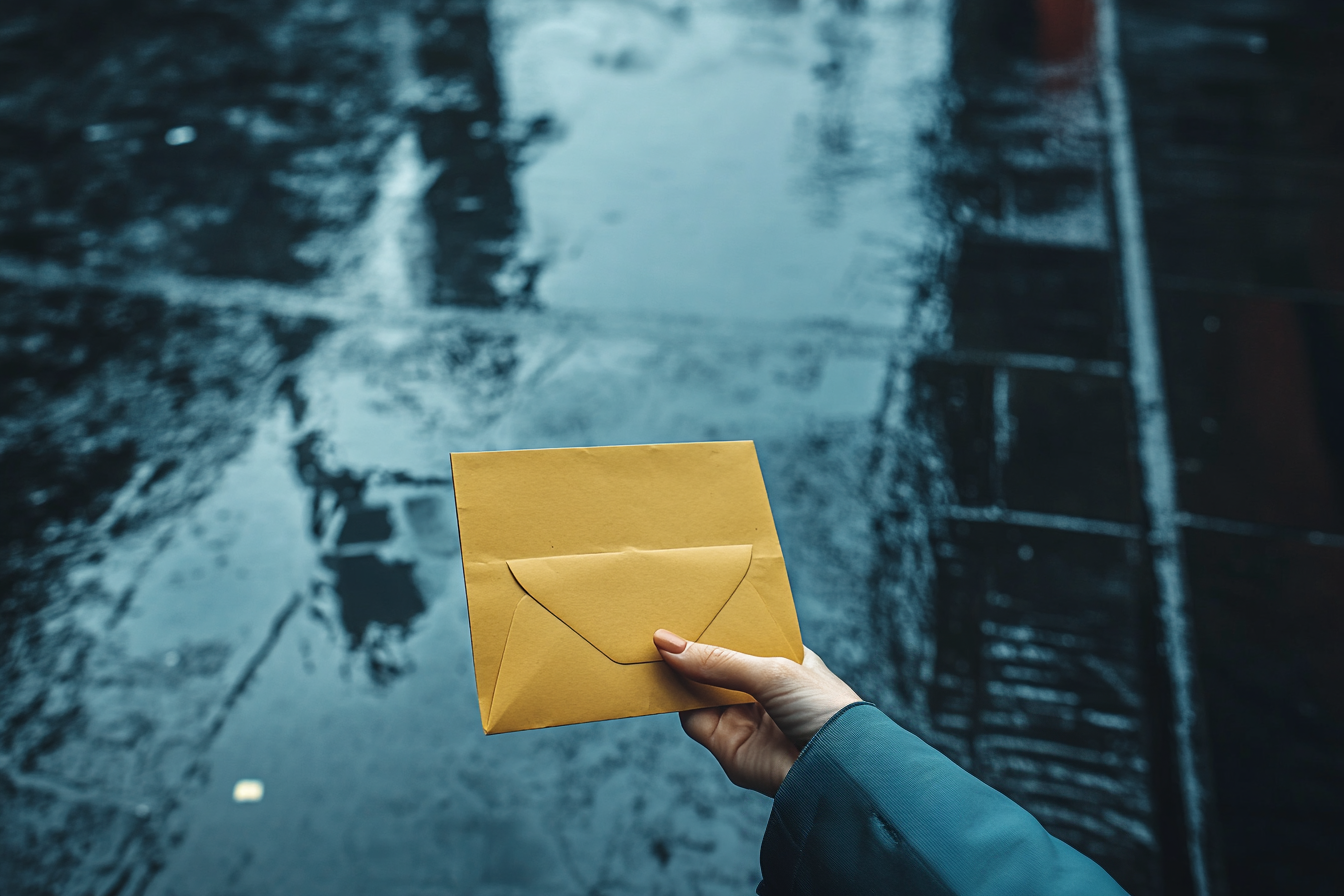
pixel 264 266
pixel 1240 132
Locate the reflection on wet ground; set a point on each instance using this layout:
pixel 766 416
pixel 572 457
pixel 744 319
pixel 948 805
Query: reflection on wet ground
pixel 264 267
pixel 1238 114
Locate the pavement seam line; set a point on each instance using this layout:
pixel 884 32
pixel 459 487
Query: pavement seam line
pixel 993 513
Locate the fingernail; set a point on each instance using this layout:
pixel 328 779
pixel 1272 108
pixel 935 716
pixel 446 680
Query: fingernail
pixel 665 640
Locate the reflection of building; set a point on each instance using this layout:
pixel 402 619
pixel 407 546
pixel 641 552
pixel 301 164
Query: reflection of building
pixel 1237 128
pixel 1046 681
pixel 472 203
pixel 377 600
pixel 121 412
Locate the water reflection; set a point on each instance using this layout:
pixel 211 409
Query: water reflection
pixel 405 231
pixel 378 600
pixel 399 232
pixel 726 160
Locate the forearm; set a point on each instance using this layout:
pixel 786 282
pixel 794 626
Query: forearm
pixel 869 807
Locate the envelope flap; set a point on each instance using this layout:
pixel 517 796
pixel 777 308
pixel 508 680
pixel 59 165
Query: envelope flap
pixel 616 601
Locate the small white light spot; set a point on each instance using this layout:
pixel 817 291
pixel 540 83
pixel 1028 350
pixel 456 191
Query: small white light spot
pixel 248 791
pixel 142 811
pixel 97 133
pixel 1025 552
pixel 1211 324
pixel 1257 43
pixel 180 136
pixel 172 658
pixel 469 204
pixel 480 129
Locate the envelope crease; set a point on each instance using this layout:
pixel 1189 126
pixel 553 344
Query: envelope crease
pixel 616 600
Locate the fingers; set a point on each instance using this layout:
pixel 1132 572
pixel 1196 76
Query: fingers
pixel 749 746
pixel 721 667
pixel 799 698
pixel 669 642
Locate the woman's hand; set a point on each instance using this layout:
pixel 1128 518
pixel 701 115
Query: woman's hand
pixel 756 743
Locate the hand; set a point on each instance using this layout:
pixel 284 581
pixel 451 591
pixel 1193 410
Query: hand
pixel 756 743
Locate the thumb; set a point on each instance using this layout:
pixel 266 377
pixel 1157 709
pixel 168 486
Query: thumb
pixel 721 667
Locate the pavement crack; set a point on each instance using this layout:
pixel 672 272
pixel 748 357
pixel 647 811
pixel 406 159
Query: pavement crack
pixel 250 670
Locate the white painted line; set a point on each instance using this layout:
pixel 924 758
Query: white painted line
pixel 1155 451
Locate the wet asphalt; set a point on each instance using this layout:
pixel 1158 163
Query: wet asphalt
pixel 263 266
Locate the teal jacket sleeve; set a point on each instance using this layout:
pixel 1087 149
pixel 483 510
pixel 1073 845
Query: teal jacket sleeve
pixel 870 808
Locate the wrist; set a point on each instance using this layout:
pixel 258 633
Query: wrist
pixel 782 768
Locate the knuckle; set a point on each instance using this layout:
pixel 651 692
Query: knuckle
pixel 778 674
pixel 717 657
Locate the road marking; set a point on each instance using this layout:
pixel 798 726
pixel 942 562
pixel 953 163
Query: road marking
pixel 1155 451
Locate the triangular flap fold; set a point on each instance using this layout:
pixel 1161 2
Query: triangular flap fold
pixel 745 625
pixel 616 601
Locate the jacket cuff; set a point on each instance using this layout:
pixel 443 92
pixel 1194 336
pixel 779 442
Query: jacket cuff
pixel 795 807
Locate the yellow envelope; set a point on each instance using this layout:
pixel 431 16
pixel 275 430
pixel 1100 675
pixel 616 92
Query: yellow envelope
pixel 573 557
